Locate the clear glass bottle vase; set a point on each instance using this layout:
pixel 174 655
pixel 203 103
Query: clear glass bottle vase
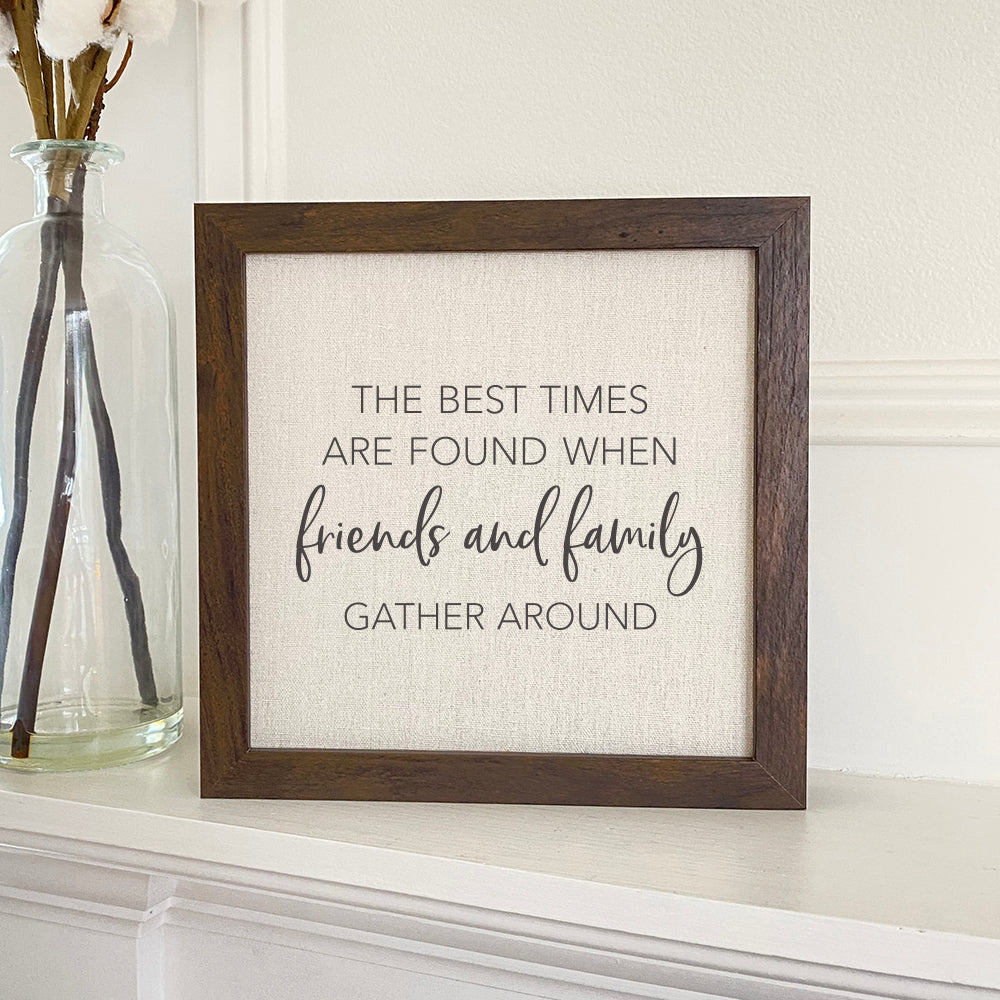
pixel 89 599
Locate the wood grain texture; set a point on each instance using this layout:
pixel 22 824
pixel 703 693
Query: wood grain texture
pixel 220 302
pixel 778 230
pixel 781 455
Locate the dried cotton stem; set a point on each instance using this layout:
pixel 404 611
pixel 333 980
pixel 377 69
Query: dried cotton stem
pixel 23 18
pixel 77 69
pixel 90 84
pixel 59 80
pixel 47 83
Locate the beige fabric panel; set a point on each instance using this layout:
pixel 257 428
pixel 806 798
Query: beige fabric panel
pixel 666 337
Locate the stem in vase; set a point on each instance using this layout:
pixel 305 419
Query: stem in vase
pixel 27 396
pixel 80 359
pixel 111 496
pixel 62 496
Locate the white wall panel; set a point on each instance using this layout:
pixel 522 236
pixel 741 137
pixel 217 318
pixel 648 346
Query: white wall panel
pixel 905 611
pixel 39 958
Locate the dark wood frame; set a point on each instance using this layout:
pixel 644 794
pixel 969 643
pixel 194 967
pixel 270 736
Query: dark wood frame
pixel 777 229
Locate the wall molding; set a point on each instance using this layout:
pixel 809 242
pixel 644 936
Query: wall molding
pixel 242 147
pixel 182 916
pixel 911 402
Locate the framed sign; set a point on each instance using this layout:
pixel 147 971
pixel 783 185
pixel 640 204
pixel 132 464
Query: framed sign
pixel 504 501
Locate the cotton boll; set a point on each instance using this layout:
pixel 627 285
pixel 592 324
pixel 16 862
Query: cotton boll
pixel 146 20
pixel 67 27
pixel 8 40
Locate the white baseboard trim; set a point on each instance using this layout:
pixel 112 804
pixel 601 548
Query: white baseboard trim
pixel 923 402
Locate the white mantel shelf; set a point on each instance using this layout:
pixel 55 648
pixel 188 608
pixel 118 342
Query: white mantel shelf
pixel 883 887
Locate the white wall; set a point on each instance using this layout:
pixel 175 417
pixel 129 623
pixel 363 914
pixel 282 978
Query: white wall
pixel 885 114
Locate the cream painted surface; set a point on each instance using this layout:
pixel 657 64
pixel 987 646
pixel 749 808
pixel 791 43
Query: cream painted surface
pixel 885 114
pixel 873 851
pixel 862 895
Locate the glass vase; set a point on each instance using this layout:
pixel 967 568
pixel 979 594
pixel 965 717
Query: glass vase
pixel 89 642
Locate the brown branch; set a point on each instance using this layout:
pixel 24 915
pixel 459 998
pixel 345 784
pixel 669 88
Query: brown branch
pixel 95 116
pixel 79 343
pixel 121 68
pixel 24 415
pixel 59 511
